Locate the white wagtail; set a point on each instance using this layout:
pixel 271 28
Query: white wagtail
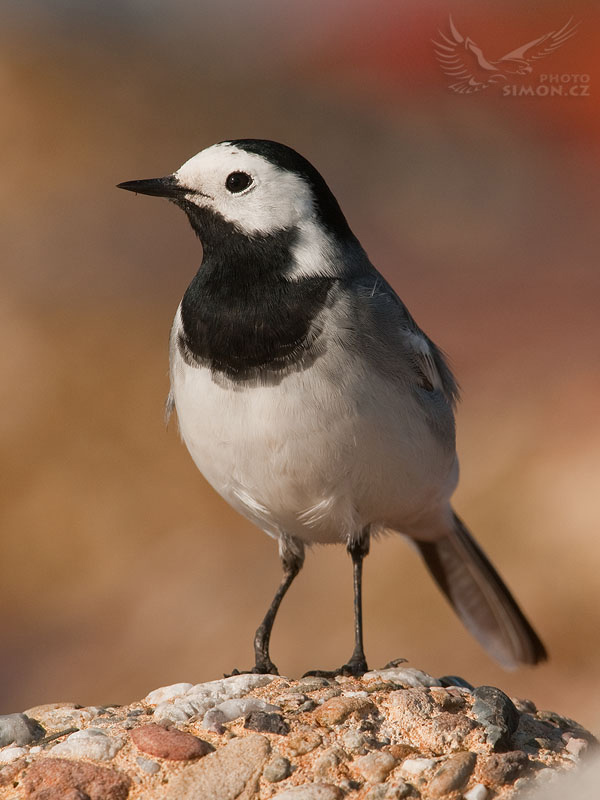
pixel 308 396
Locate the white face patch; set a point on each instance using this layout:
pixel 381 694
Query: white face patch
pixel 276 199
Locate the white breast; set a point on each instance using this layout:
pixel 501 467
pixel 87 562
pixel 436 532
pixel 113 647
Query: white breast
pixel 319 455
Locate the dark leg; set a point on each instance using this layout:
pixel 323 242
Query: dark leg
pixel 357 665
pixel 291 552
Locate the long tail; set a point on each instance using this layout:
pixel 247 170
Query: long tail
pixel 480 598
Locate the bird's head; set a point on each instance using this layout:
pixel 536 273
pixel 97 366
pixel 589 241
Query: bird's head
pixel 250 187
pixel 516 66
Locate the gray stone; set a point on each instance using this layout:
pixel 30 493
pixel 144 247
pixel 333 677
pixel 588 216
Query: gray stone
pixel 174 706
pixel 310 791
pixel 235 708
pixel 278 769
pixel 166 693
pixel 149 766
pixel 328 693
pixel 230 772
pixel 407 676
pixel 455 680
pixel 497 713
pixel 89 743
pixel 19 729
pixel 178 712
pixel 313 683
pixel 267 723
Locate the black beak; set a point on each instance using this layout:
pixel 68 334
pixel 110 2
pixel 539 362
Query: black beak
pixel 159 187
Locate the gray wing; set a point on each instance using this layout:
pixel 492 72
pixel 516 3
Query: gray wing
pixel 407 348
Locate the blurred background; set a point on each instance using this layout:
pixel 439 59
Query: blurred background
pixel 121 569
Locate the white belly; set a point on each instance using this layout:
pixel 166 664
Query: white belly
pixel 318 455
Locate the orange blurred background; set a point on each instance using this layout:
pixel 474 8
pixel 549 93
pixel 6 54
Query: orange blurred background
pixel 121 569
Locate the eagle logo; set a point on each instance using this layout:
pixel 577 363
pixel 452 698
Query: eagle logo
pixel 464 62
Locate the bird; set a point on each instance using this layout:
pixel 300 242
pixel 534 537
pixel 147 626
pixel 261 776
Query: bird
pixel 465 63
pixel 308 396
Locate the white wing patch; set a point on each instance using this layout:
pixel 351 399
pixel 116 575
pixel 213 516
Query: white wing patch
pixel 424 358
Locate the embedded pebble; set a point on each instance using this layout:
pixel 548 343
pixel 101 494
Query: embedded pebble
pixel 478 792
pixel 416 766
pixel 354 741
pixel 233 709
pixel 89 743
pixel 19 729
pixel 313 683
pixel 337 709
pixel 576 747
pixel 326 764
pixel 63 715
pixel 292 700
pixel 446 732
pixel 166 693
pixel 390 791
pixel 303 741
pixel 151 767
pixel 173 704
pixel 411 705
pixel 497 713
pixel 278 769
pixel 169 712
pixel 230 772
pixel 328 693
pixel 501 768
pixel 374 767
pixel 311 791
pixel 455 680
pixel 453 774
pixel 265 722
pixel 407 676
pixel 447 701
pixel 9 754
pixel 61 779
pixel 169 743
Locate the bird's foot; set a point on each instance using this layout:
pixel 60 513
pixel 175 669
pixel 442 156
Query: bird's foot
pixel 260 668
pixel 395 663
pixel 355 668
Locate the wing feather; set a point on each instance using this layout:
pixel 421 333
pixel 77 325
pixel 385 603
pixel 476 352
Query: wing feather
pixel 396 330
pixel 544 45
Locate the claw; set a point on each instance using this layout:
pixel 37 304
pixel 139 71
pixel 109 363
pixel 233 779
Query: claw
pixel 258 669
pixel 395 662
pixel 353 669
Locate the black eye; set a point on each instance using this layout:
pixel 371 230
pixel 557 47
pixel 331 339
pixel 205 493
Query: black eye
pixel 238 181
